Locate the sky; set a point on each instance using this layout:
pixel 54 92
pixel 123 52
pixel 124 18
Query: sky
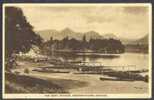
pixel 123 21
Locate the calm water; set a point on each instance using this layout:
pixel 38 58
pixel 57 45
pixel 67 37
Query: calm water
pixel 131 61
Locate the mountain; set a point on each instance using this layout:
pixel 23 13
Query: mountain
pixel 92 35
pixel 46 34
pixel 138 45
pixel 126 41
pixel 143 40
pixel 59 35
pixel 71 34
pixel 110 35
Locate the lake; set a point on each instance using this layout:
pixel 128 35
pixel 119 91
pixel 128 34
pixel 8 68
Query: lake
pixel 125 61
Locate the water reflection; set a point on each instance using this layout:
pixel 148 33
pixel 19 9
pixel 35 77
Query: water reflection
pixel 129 60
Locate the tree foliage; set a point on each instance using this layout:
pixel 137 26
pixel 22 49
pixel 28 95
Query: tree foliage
pixel 19 34
pixel 95 45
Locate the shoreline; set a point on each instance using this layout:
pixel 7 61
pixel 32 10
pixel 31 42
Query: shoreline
pixel 88 83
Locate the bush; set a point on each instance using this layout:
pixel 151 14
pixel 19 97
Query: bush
pixel 146 78
pixel 17 73
pixel 26 71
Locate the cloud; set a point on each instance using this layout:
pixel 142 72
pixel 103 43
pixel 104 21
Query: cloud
pixel 124 21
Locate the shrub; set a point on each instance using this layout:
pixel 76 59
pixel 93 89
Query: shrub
pixel 26 71
pixel 146 78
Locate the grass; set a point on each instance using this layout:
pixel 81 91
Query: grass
pixel 26 84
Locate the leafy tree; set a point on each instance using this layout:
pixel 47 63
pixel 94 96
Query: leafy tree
pixel 96 45
pixel 84 38
pixel 51 39
pixel 64 42
pixel 84 43
pixel 74 44
pixel 19 34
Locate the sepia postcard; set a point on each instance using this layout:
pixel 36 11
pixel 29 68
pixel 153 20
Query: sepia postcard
pixel 77 50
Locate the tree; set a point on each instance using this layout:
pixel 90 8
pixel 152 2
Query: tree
pixel 84 38
pixel 19 34
pixel 84 43
pixel 51 39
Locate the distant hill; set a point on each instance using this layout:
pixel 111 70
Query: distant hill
pixel 93 35
pixel 126 41
pixel 139 45
pixel 70 33
pixel 143 40
pixel 46 34
pixel 110 35
pixel 59 35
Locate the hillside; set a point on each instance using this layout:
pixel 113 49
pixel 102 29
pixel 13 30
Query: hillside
pixel 93 35
pixel 110 35
pixel 140 45
pixel 143 40
pixel 59 35
pixel 46 34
